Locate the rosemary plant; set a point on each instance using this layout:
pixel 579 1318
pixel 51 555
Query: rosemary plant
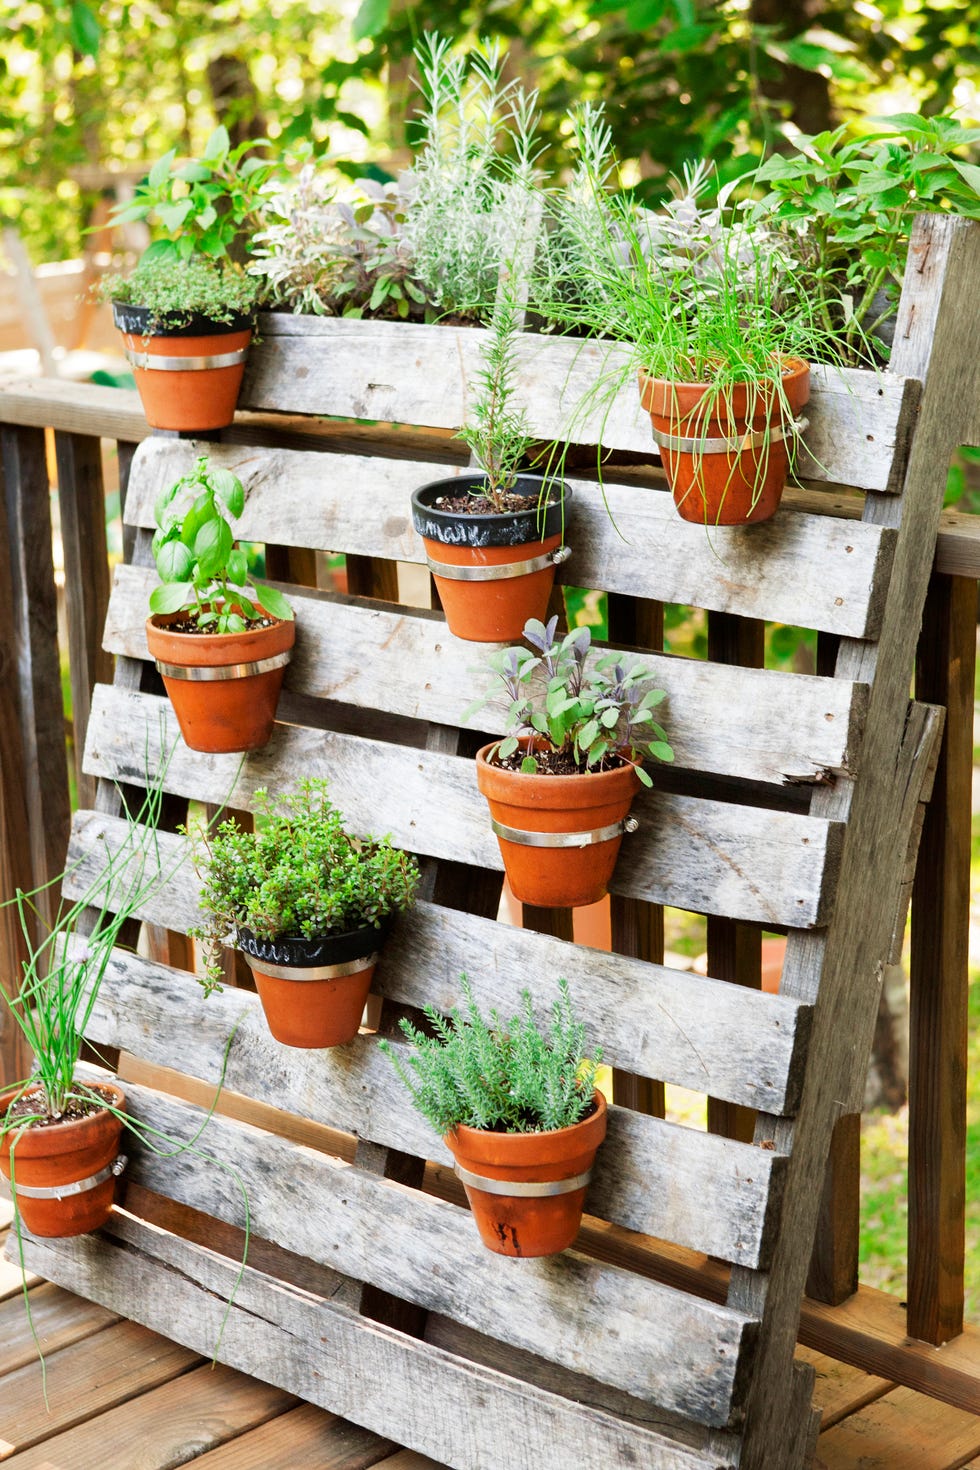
pixel 504 1076
pixel 498 433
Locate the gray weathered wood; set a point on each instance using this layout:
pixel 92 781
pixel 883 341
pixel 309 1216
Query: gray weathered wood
pixel 676 1183
pixel 800 569
pixel 691 1030
pixel 630 1332
pixel 408 374
pixel 436 1402
pixel 709 856
pixel 756 724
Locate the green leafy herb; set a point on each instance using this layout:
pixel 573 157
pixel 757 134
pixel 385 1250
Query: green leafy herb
pixel 174 291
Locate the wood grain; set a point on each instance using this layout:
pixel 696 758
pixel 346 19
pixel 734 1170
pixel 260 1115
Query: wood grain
pixel 59 1318
pixel 897 1433
pixel 428 1399
pixel 712 857
pixel 791 727
pixel 304 1439
pixel 800 569
pixel 659 1022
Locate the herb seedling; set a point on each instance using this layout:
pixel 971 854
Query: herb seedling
pixel 203 573
pixel 509 1076
pixel 498 435
pixel 593 713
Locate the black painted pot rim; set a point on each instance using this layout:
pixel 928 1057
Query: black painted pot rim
pixel 311 953
pixel 139 321
pixel 494 528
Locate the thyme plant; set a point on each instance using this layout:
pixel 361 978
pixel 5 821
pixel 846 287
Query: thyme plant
pixel 202 571
pixel 300 873
pixel 175 291
pixel 592 713
pixel 505 1076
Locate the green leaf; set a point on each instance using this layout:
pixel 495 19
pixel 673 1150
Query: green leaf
pixel 174 562
pixel 172 216
pixel 506 747
pixel 371 18
pixel 661 750
pixel 229 488
pixel 193 172
pixel 84 29
pixel 529 766
pixel 644 777
pixel 238 567
pixel 217 145
pixel 172 597
pixel 212 547
pixel 160 171
pixel 609 718
pixel 969 172
pixel 588 734
pixel 274 602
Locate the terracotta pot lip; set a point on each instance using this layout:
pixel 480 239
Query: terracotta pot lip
pixel 202 649
pixel 564 787
pixel 468 1139
pixel 795 369
pixel 57 1132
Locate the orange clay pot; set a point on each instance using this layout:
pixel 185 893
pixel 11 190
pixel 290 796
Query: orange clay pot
pixel 61 1154
pixel 192 399
pixel 730 487
pixel 489 611
pixel 229 713
pixel 557 877
pixel 526 1225
pixel 306 1011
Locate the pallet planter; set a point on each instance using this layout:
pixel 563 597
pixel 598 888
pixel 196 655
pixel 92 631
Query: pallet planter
pixel 623 1350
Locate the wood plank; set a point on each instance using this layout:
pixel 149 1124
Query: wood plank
pixel 586 1316
pixel 81 498
pixel 940 975
pixel 791 727
pixel 306 1438
pixel 83 1380
pixel 859 421
pixel 59 1320
pixel 651 1176
pixel 12 1278
pixel 203 1408
pixel 838 1388
pixel 711 857
pixel 421 1396
pixel 901 1431
pixel 797 569
pixel 649 1019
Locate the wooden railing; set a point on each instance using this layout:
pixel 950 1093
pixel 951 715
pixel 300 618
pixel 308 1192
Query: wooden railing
pixel 57 433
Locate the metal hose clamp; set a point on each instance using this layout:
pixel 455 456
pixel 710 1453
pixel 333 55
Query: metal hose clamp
pixel 319 972
pixel 751 439
pixel 526 1189
pixel 161 363
pixel 564 839
pixel 64 1191
pixel 502 571
pixel 207 674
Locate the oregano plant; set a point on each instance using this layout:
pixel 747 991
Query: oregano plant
pixel 594 712
pixel 204 574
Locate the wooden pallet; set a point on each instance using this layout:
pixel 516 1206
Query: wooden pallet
pixel 794 804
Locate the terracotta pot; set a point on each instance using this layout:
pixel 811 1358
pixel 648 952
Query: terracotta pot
pixel 728 487
pixel 528 1225
pixel 197 397
pixel 490 611
pixel 232 711
pixel 548 876
pixel 310 1009
pixel 62 1154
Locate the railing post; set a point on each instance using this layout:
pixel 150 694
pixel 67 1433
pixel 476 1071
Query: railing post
pixel 945 667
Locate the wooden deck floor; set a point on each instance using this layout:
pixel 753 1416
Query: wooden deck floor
pixel 122 1398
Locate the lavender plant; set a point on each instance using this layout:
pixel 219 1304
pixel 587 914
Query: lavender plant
pixel 594 713
pixel 505 1076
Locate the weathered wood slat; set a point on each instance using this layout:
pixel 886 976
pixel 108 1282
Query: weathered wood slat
pixel 676 1183
pixel 691 1030
pixel 629 1332
pixel 711 857
pixel 790 727
pixel 434 1401
pixel 800 569
pixel 859 421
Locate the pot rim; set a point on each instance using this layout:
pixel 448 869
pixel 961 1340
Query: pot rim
pixel 198 324
pixel 795 368
pixel 58 1131
pixel 478 1138
pixel 563 786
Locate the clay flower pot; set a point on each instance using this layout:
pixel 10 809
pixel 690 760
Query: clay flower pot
pixel 492 571
pixel 56 1157
pixel 224 687
pixel 189 376
pixel 559 836
pixel 313 991
pixel 516 1213
pixel 735 457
